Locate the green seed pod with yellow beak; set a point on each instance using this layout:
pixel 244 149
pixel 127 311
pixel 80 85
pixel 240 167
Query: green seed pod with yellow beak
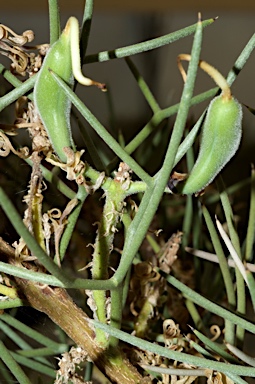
pixel 51 101
pixel 221 133
pixel 221 138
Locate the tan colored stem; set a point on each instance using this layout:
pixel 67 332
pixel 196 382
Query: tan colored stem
pixel 210 70
pixel 58 305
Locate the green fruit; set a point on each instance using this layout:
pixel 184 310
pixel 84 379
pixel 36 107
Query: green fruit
pixel 50 100
pixel 221 138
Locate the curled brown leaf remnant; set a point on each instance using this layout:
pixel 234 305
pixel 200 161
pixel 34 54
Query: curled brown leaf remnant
pixel 148 289
pixel 14 47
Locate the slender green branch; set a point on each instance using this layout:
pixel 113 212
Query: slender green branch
pixel 43 278
pixel 153 195
pixel 92 149
pixel 188 221
pixel 14 303
pixel 201 350
pixel 81 195
pixel 18 340
pixel 241 60
pixel 173 355
pixel 236 379
pixel 86 26
pixel 8 359
pixel 251 222
pixel 209 305
pixel 101 131
pixel 143 86
pixel 22 230
pixel 194 313
pixel 175 371
pixel 36 366
pixel 17 92
pixel 9 76
pixel 215 347
pixel 29 332
pixel 116 312
pixel 241 301
pixel 230 290
pixel 36 353
pixel 157 118
pixel 147 45
pixel 54 21
pixel 251 285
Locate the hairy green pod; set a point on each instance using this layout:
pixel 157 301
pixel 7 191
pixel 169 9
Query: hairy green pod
pixel 221 138
pixel 51 101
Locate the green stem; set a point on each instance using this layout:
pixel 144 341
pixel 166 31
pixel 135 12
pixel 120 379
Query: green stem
pixel 14 303
pixel 241 60
pixel 251 222
pixel 86 26
pixel 209 305
pixel 143 86
pixel 17 92
pixel 187 221
pixel 251 284
pixel 153 195
pixel 13 366
pixel 201 350
pixel 72 220
pixel 43 278
pixel 215 347
pixel 173 355
pixel 30 241
pixel 240 284
pixel 194 314
pixel 116 312
pixel 35 365
pixel 54 21
pixel 29 332
pixel 37 353
pixel 102 132
pixel 9 76
pixel 23 345
pixel 92 149
pixel 147 45
pixel 102 249
pixel 157 118
pixel 230 290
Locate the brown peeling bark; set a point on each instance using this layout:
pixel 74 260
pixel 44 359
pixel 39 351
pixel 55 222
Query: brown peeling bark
pixel 58 305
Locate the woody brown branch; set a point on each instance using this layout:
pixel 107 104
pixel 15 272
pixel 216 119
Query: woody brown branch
pixel 58 305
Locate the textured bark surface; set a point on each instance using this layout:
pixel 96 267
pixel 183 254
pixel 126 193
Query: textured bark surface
pixel 58 305
pixel 60 308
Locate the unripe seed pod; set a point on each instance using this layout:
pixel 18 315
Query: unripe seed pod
pixel 51 101
pixel 221 138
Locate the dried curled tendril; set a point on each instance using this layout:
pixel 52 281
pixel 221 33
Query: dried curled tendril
pixel 74 167
pixel 6 147
pixel 14 47
pixel 215 331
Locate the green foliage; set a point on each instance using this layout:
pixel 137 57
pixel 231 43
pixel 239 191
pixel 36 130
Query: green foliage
pixel 132 280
